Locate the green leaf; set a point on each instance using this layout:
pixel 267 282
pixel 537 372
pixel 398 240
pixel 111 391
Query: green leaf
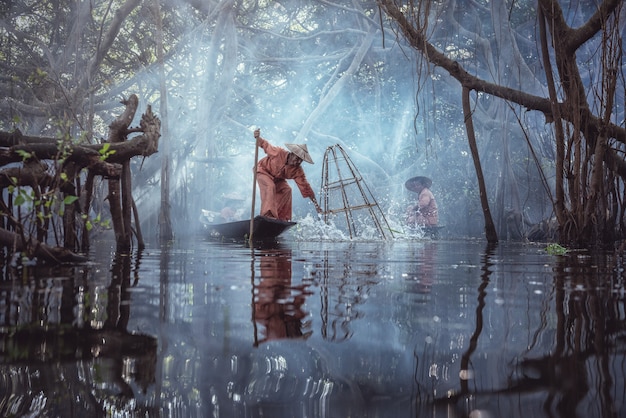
pixel 69 200
pixel 105 152
pixel 556 249
pixel 24 154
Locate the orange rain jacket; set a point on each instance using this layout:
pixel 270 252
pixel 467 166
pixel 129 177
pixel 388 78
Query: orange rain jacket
pixel 272 173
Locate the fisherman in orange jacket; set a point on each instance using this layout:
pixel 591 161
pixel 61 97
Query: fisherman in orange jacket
pixel 272 173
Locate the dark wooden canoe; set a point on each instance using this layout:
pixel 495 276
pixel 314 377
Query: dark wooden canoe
pixel 264 229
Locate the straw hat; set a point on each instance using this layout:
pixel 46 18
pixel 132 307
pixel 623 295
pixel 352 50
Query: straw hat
pixel 301 151
pixel 414 182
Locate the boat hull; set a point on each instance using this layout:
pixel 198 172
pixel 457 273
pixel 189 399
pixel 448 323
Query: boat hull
pixel 264 229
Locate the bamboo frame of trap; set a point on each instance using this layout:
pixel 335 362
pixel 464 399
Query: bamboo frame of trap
pixel 345 192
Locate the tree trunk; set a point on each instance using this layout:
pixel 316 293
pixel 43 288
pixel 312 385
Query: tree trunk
pixel 33 248
pixel 165 220
pixel 490 228
pixel 110 160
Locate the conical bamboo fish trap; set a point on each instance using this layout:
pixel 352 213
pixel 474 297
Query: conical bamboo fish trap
pixel 345 197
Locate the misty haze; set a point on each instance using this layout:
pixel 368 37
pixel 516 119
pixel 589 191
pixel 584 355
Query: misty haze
pixel 451 244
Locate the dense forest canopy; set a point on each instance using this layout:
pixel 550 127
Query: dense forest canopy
pixel 328 72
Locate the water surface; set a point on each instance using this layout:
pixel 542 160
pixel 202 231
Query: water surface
pixel 312 328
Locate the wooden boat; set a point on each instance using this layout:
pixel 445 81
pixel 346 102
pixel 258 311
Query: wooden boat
pixel 265 229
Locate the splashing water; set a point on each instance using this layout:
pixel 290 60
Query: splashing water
pixel 310 228
pixel 313 228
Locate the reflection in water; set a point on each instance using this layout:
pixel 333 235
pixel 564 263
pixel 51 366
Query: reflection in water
pixel 420 275
pixel 60 329
pixel 466 372
pixel 277 305
pixel 284 370
pixel 345 282
pixel 567 366
pixel 423 328
pixel 590 323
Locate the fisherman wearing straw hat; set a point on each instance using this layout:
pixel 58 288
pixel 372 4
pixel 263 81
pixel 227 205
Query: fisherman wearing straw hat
pixel 424 212
pixel 273 172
